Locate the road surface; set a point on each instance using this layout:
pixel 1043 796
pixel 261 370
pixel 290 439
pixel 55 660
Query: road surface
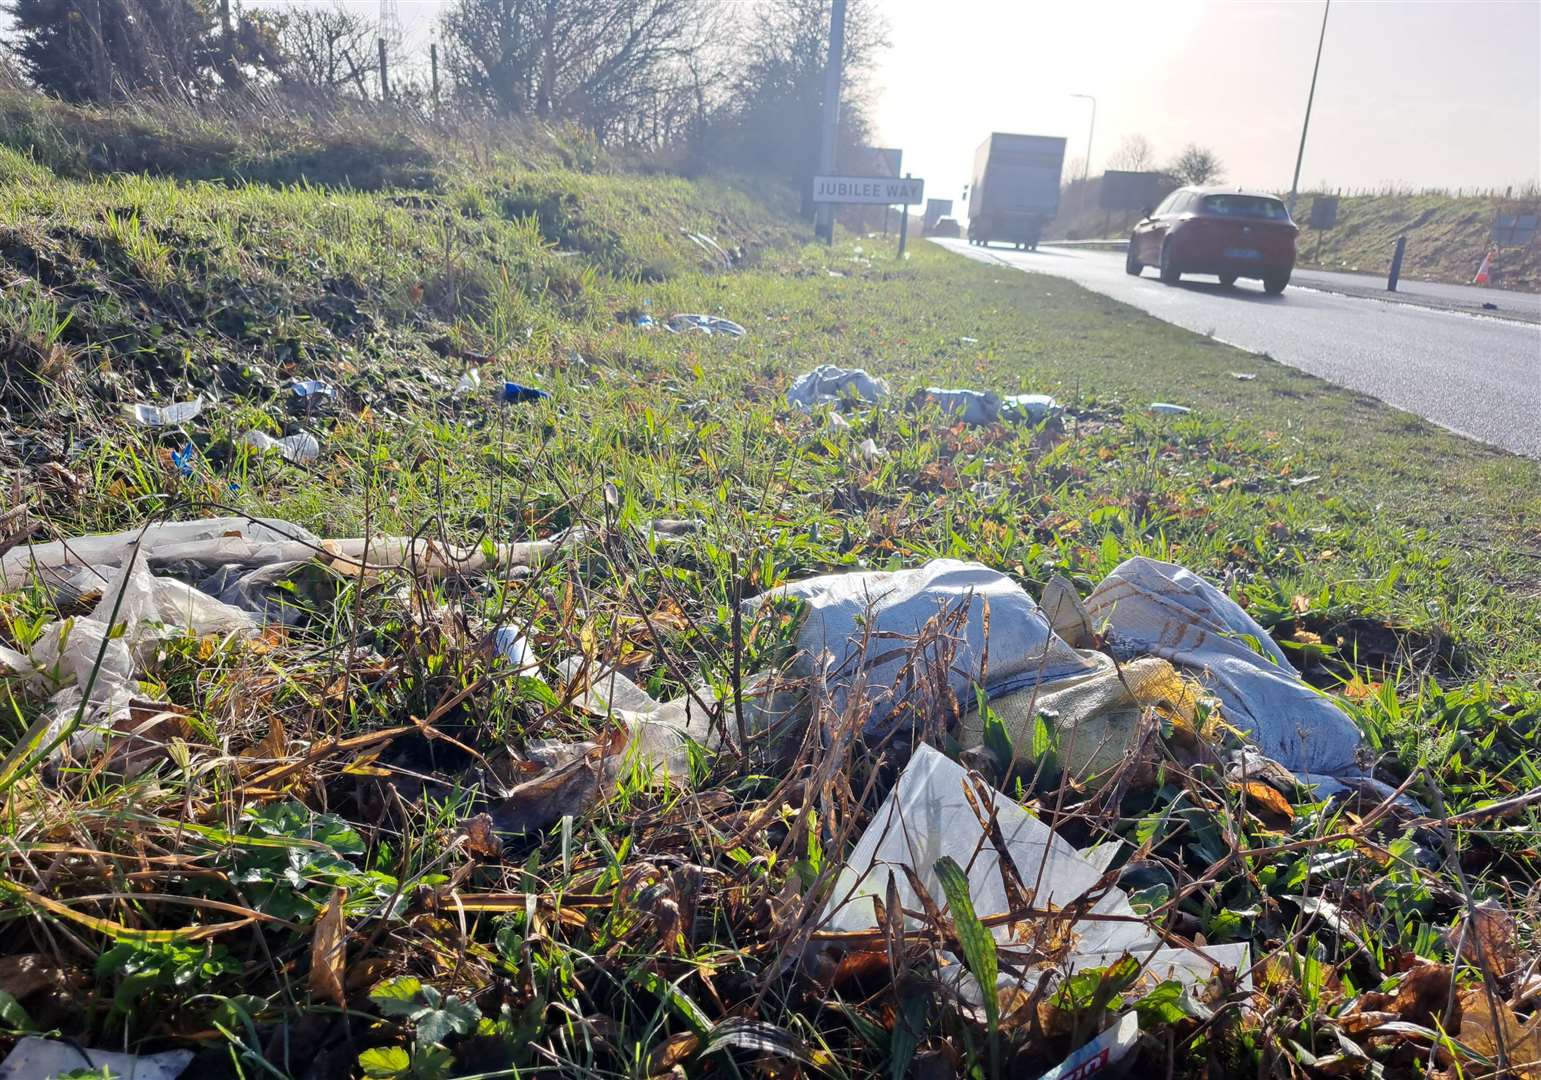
pixel 1480 377
pixel 1506 302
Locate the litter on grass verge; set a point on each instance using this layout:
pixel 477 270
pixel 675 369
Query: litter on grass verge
pixel 898 662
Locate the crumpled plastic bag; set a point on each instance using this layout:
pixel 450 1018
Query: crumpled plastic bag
pixel 297 449
pixel 829 384
pixel 92 669
pixel 1158 609
pixel 265 592
pixel 1029 408
pixel 705 324
pixel 661 731
pixel 889 609
pixel 249 541
pixel 975 407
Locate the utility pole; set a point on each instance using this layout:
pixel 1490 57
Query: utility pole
pixel 825 227
pixel 433 64
pixel 1301 155
pixel 385 84
pixel 1091 130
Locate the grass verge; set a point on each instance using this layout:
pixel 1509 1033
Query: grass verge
pixel 290 903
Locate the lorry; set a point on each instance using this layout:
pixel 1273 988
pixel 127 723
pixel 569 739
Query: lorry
pixel 1015 192
pixel 936 209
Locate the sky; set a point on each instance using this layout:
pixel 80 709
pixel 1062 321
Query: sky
pixel 1420 93
pixel 1433 93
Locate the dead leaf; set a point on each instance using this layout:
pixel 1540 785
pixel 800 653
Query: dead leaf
pixel 571 789
pixel 1488 942
pixel 24 974
pixel 1267 797
pixel 480 840
pixel 672 1051
pixel 1521 1039
pixel 1423 995
pixel 1300 604
pixel 328 951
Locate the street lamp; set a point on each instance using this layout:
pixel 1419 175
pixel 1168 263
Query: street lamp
pixel 1090 131
pixel 1301 155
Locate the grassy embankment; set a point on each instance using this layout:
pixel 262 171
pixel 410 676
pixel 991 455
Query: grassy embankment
pixel 1396 561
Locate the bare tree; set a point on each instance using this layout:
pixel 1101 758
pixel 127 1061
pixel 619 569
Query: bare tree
pixel 327 49
pixel 1196 165
pixel 605 64
pixel 1134 154
pixel 777 91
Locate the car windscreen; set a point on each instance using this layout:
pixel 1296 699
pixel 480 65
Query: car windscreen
pixel 1245 206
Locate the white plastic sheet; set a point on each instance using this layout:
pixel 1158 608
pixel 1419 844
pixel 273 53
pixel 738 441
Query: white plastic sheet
pixel 889 609
pixel 1032 408
pixel 42 1059
pixel 1158 609
pixel 828 383
pixel 928 815
pixel 298 448
pixel 709 325
pixel 251 541
pixel 975 407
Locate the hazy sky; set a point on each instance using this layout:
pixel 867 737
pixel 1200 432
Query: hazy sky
pixel 1425 93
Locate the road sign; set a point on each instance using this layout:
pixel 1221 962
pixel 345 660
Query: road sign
pixel 1514 230
pixel 1123 190
pixel 871 161
pixel 1324 211
pixel 868 190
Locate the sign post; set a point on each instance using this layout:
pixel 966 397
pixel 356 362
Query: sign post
pixel 872 191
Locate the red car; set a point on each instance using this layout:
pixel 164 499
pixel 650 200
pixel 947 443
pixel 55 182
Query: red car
pixel 1222 231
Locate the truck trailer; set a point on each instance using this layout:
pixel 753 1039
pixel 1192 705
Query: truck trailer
pixel 1015 192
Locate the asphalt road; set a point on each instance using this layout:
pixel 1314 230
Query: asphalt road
pixel 1477 376
pixel 1438 294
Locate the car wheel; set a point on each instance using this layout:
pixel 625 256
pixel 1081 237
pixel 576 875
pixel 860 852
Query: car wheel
pixel 1274 284
pixel 1132 265
pixel 1169 273
pixel 1227 280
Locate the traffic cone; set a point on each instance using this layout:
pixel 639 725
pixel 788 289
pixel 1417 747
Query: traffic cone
pixel 1482 278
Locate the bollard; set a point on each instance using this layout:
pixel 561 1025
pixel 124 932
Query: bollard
pixel 1396 264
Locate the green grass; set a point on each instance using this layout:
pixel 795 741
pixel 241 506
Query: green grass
pixel 1446 238
pixel 1398 563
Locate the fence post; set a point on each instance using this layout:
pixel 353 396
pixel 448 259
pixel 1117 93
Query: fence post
pixel 1396 264
pixel 904 223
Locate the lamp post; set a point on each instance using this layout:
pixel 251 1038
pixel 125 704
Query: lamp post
pixel 1300 156
pixel 1086 170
